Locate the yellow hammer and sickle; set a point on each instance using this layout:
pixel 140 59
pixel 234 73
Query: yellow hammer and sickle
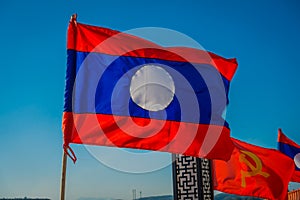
pixel 255 170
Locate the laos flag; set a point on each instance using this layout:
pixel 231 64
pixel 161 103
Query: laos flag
pixel 125 91
pixel 292 150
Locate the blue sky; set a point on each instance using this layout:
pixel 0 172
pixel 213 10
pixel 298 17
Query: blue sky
pixel 264 94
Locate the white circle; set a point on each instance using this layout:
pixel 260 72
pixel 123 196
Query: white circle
pixel 297 160
pixel 152 88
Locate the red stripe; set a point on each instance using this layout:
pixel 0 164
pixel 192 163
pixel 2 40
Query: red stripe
pixel 296 177
pixel 149 134
pixel 88 38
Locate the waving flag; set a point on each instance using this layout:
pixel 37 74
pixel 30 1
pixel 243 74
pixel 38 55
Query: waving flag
pixel 292 150
pixel 124 91
pixel 254 171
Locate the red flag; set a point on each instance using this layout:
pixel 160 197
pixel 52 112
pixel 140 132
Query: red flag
pixel 124 91
pixel 254 171
pixel 292 150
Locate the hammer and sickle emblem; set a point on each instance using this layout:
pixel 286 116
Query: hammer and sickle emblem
pixel 255 170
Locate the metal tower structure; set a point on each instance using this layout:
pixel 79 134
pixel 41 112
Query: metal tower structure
pixel 192 178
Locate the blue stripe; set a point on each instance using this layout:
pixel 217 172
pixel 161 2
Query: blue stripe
pixel 70 78
pixel 88 66
pixel 289 150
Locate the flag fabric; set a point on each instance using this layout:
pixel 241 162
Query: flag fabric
pixel 124 91
pixel 292 150
pixel 254 171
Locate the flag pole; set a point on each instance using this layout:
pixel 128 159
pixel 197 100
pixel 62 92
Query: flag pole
pixel 63 176
pixel 65 149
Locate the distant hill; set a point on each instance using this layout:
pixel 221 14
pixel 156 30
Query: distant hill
pixel 164 197
pixel 25 198
pixel 224 196
pixel 221 196
pixel 90 198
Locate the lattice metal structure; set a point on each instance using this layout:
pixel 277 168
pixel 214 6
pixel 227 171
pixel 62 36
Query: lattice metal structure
pixel 206 184
pixel 192 178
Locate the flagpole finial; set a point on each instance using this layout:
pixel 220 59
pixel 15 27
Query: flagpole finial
pixel 74 18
